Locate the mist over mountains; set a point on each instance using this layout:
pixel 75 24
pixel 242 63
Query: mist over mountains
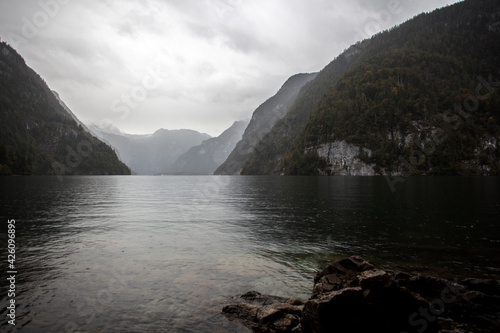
pixel 421 98
pixel 207 157
pixel 173 152
pixel 152 154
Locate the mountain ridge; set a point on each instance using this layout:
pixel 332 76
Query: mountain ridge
pixel 262 121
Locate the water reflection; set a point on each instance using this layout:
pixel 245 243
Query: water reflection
pixel 447 226
pixel 49 231
pixel 166 253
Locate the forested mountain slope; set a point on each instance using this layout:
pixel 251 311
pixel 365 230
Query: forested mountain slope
pixel 37 135
pixel 263 120
pixel 420 98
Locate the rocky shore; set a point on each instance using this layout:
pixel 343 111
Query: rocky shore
pixel 352 295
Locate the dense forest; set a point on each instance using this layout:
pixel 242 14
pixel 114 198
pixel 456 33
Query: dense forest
pixel 420 98
pixel 37 136
pixel 408 104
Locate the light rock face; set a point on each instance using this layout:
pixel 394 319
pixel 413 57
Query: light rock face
pixel 344 159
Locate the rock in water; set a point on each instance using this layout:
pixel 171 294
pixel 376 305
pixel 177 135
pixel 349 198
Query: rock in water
pixel 352 295
pixel 266 313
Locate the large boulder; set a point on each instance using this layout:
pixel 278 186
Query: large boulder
pixel 351 295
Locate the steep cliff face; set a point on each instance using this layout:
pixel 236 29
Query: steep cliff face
pixel 205 158
pixel 38 134
pixel 344 159
pixel 263 119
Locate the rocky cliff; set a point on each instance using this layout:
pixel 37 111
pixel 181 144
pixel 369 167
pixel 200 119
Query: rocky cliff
pixel 344 159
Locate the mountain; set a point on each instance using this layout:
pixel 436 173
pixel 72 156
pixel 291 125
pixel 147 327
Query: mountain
pixel 68 110
pixel 38 135
pixel 154 153
pixel 420 98
pixel 205 158
pixel 263 119
pixel 266 155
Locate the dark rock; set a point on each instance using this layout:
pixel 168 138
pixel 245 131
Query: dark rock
pixel 478 311
pixel 431 288
pixel 471 305
pixel 352 295
pixel 318 316
pixel 489 287
pixel 266 313
pixel 339 275
pixel 254 297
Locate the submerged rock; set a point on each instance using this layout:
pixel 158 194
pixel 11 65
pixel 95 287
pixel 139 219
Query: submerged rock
pixel 267 313
pixel 352 295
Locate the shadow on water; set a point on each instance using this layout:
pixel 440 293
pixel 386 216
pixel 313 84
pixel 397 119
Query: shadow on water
pixel 438 225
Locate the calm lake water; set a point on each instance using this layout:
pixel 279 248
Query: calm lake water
pixel 142 254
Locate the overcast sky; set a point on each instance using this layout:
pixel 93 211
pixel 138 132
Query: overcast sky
pixel 199 64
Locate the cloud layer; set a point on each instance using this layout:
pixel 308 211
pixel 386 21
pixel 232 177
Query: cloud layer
pixel 199 64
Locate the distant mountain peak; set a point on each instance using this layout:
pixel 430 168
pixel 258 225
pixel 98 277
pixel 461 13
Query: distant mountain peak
pixel 149 154
pixel 206 157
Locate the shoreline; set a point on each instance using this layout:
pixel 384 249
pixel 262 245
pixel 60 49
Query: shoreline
pixel 352 295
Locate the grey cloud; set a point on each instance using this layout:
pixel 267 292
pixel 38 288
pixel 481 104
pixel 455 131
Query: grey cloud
pixel 127 29
pixel 244 41
pixel 221 58
pixel 201 31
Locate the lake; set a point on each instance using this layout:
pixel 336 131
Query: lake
pixel 139 254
